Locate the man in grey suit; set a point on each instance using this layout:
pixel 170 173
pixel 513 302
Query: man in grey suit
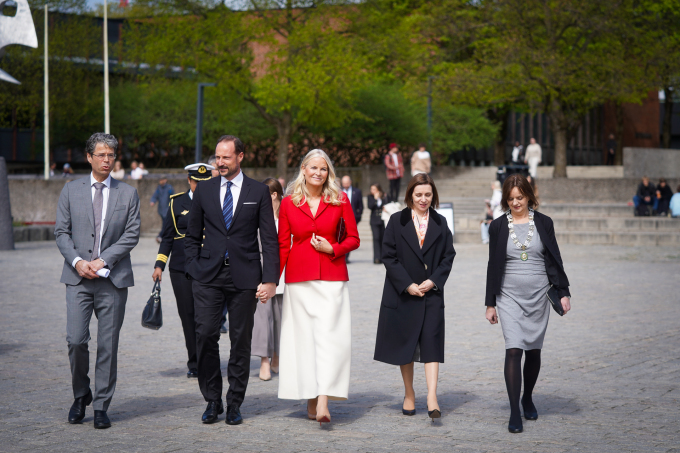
pixel 97 226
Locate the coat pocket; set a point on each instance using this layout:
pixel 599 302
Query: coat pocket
pixel 253 256
pixel 205 253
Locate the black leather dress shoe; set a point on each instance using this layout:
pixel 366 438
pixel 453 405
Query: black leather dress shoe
pixel 214 409
pixel 101 420
pixel 192 373
pixel 77 412
pixel 234 415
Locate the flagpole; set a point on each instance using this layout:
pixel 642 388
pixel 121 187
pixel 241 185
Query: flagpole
pixel 107 121
pixel 46 113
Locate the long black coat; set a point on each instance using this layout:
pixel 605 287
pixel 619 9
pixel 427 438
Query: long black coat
pixel 404 319
pixel 498 240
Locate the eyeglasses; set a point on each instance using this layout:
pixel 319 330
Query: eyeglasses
pixel 102 156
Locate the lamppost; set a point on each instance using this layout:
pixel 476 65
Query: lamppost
pixel 46 113
pixel 199 120
pixel 429 112
pixel 107 120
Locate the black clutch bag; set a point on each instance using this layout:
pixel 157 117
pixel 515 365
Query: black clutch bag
pixel 555 300
pixel 342 231
pixel 152 316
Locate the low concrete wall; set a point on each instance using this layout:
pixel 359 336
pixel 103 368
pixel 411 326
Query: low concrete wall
pixel 592 190
pixel 652 162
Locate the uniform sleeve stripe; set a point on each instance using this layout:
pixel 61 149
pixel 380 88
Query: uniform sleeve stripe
pixel 162 258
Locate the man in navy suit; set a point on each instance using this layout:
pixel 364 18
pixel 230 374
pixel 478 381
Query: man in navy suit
pixel 355 198
pixel 223 261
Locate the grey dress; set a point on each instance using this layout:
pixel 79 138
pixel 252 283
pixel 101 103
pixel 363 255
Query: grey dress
pixel 522 305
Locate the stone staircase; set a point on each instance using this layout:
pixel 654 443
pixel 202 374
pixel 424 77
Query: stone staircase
pixel 585 224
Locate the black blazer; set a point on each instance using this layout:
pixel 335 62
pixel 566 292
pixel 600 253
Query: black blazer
pixel 207 238
pixel 498 240
pixel 357 204
pixel 401 314
pixel 376 211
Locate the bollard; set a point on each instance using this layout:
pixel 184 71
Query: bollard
pixel 6 234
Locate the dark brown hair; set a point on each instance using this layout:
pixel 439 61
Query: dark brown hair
pixel 524 188
pixel 379 187
pixel 274 187
pixel 420 180
pixel 238 144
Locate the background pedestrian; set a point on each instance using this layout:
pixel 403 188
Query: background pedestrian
pixel 395 170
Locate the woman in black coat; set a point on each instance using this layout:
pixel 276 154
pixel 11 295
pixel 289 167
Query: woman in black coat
pixel 418 262
pixel 376 201
pixel 524 261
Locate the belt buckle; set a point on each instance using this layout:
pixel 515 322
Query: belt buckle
pixel 226 261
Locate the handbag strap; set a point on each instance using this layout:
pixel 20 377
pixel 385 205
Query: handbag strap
pixel 156 287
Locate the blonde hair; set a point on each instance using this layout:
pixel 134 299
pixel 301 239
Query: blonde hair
pixel 297 188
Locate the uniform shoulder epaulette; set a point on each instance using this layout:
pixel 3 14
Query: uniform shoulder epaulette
pixel 177 194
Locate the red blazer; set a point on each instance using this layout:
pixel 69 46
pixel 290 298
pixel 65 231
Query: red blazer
pixel 301 261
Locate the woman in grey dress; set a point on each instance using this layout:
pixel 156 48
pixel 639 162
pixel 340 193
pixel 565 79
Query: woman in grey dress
pixel 267 323
pixel 524 260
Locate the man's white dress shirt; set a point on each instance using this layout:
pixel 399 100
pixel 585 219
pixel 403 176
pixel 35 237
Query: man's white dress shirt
pixel 105 202
pixel 237 184
pixel 349 194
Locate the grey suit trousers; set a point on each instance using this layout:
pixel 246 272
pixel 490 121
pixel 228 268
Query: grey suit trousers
pixel 108 303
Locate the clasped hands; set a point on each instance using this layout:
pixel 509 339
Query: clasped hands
pixel 265 291
pixel 420 290
pixel 88 269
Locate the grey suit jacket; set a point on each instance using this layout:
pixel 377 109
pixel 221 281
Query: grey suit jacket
pixel 75 229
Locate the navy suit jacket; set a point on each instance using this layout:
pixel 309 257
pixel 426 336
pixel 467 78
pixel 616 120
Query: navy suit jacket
pixel 207 238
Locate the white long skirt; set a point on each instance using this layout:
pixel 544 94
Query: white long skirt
pixel 316 341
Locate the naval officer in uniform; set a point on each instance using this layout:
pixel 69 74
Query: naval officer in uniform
pixel 172 241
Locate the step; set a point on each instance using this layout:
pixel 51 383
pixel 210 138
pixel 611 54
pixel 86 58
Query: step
pixel 616 237
pixel 33 233
pixel 586 209
pixel 634 224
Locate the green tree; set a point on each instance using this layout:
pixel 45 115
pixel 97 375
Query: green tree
pixel 291 60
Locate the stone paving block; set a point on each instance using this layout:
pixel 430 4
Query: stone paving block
pixel 610 380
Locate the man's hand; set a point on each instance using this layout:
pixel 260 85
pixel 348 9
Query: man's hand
pixel 85 270
pixel 96 265
pixel 265 291
pixel 426 286
pixel 152 203
pixel 157 274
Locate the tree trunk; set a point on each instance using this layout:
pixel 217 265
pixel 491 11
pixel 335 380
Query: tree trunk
pixel 284 130
pixel 667 118
pixel 499 115
pixel 559 127
pixel 618 157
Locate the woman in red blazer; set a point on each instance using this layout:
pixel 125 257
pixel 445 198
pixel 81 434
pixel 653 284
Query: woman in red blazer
pixel 315 348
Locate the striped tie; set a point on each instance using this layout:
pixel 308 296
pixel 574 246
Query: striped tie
pixel 228 210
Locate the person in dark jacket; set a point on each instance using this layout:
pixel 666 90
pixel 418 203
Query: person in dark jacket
pixel 161 197
pixel 375 201
pixel 645 198
pixel 356 200
pixel 418 253
pixel 172 242
pixel 663 197
pixel 524 261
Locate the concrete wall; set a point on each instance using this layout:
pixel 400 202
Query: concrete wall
pixel 592 190
pixel 653 162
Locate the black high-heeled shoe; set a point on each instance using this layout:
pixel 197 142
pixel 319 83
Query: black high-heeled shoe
pixel 436 413
pixel 515 426
pixel 406 411
pixel 530 412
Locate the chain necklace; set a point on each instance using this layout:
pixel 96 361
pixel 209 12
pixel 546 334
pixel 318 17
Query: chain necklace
pixel 523 247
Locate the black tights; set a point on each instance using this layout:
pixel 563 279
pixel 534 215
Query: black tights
pixel 513 379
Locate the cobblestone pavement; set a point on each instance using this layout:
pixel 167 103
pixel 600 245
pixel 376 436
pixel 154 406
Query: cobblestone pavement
pixel 610 380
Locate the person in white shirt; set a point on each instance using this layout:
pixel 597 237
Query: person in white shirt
pixel 533 157
pixel 516 153
pixel 421 161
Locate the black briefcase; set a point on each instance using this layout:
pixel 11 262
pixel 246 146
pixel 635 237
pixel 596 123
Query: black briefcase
pixel 152 316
